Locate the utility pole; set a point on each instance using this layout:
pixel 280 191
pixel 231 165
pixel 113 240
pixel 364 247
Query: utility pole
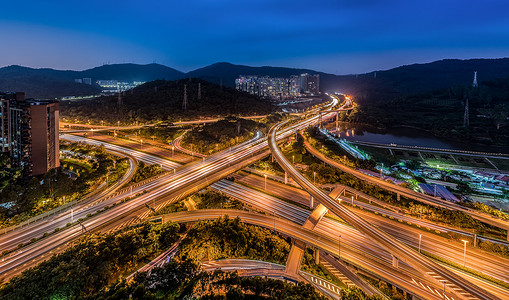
pixel 184 103
pixel 466 122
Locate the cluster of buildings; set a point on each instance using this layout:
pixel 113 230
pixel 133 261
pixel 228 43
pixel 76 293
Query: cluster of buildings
pixel 111 86
pixel 280 87
pixel 115 86
pixel 29 132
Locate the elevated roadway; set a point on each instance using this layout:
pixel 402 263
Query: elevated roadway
pixel 426 199
pixel 461 288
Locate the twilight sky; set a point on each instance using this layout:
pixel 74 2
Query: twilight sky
pixel 336 36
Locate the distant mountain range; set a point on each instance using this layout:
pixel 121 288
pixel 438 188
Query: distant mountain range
pixel 416 78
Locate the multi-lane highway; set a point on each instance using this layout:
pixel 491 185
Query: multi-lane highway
pixel 430 200
pixel 185 181
pixel 462 288
pixel 483 262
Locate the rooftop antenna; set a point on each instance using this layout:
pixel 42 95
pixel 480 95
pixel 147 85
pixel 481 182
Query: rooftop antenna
pixel 474 84
pixel 466 122
pixel 184 103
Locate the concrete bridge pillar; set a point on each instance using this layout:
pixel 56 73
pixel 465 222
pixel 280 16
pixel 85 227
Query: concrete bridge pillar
pixel 414 297
pixel 317 256
pixel 398 197
pixel 395 262
pixel 311 202
pixel 286 178
pixel 507 239
pixel 475 239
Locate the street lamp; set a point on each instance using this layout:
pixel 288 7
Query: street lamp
pixel 339 247
pixel 464 251
pixel 265 181
pixel 420 238
pixel 141 144
pixel 293 159
pixel 172 150
pixel 314 177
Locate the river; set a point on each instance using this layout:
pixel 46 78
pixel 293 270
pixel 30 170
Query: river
pixel 407 136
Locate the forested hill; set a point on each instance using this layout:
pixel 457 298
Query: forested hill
pixel 162 100
pixel 48 83
pixel 385 85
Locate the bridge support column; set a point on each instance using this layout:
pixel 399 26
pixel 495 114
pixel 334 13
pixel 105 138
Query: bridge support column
pixel 286 178
pixel 475 239
pixel 395 262
pixel 317 256
pixel 398 197
pixel 337 120
pixel 507 239
pixel 311 202
pixel 414 297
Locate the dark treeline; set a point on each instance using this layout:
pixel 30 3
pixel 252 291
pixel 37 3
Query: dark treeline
pixel 162 100
pixel 442 111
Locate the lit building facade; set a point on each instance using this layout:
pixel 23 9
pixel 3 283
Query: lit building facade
pixel 31 133
pixel 279 87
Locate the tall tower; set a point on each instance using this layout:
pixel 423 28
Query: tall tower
pixel 184 103
pixel 474 84
pixel 465 116
pixel 199 90
pixel 119 100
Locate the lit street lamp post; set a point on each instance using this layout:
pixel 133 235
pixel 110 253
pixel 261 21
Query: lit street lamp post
pixel 339 247
pixel 265 175
pixel 464 251
pixel 314 177
pixel 141 144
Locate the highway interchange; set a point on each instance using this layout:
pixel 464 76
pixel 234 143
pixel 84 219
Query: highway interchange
pixel 182 181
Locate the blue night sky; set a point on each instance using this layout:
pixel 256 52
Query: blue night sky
pixel 336 36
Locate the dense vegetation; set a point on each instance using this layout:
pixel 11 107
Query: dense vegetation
pixel 28 196
pixel 164 133
pixel 96 261
pixel 441 112
pixel 144 172
pixel 90 264
pixel 183 280
pixel 220 135
pixel 162 100
pixel 212 199
pixel 7 171
pixel 230 238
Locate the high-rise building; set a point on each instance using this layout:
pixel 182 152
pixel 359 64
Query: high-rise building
pixel 32 133
pixel 277 87
pixel 310 84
